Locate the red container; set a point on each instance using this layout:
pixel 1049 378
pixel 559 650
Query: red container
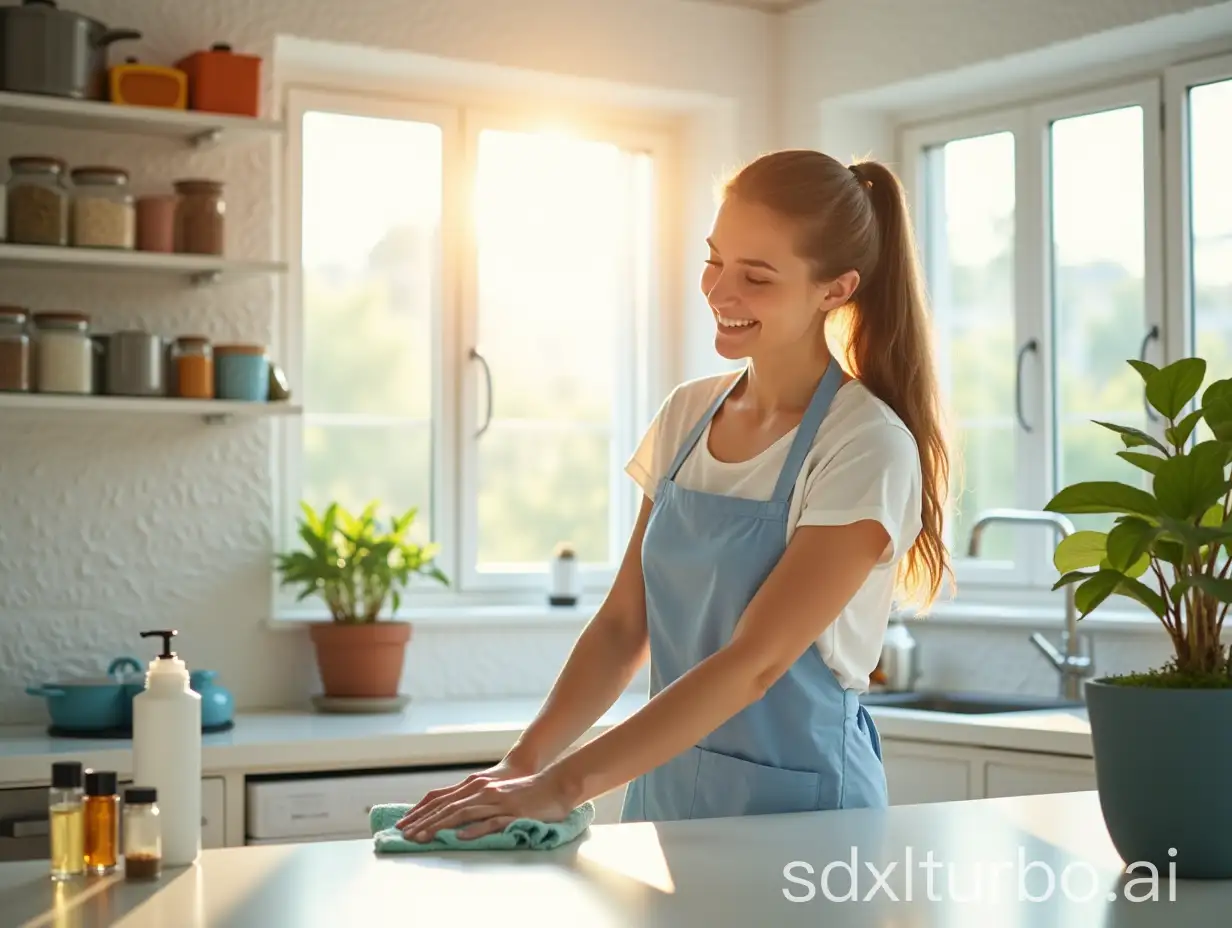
pixel 220 81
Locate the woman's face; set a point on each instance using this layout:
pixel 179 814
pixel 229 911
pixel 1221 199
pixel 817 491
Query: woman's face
pixel 761 293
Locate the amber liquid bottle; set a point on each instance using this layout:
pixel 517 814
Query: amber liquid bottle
pixel 102 815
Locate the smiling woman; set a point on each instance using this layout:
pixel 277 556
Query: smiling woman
pixel 783 509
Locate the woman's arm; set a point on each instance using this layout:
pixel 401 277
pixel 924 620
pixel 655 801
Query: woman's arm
pixel 603 661
pixel 822 568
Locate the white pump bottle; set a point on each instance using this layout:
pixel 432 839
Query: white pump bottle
pixel 167 751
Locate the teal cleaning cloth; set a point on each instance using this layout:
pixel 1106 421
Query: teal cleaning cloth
pixel 520 834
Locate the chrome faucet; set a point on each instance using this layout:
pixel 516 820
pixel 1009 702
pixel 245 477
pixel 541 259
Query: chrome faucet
pixel 1074 660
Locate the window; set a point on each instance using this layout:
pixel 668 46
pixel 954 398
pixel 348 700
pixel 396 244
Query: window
pixel 471 329
pixel 1209 208
pixel 1042 232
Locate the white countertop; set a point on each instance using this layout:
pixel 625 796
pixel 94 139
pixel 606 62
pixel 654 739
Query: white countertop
pixel 991 864
pixel 471 731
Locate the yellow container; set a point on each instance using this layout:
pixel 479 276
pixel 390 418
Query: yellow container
pixel 136 84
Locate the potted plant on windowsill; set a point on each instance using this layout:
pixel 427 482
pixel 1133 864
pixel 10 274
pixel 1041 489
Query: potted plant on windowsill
pixel 358 567
pixel 1161 737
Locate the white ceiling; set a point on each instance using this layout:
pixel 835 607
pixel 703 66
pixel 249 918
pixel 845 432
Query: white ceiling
pixel 770 5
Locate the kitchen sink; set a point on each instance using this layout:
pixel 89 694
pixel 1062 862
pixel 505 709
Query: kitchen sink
pixel 967 703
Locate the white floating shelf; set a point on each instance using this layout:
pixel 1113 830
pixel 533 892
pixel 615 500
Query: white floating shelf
pixel 210 410
pixel 193 128
pixel 199 268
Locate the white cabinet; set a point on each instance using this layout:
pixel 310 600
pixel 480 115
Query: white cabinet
pixel 213 809
pixel 1033 774
pixel 925 773
pixel 918 771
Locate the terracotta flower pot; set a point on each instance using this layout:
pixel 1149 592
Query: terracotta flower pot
pixel 360 660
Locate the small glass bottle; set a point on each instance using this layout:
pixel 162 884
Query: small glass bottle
pixel 67 814
pixel 143 844
pixel 102 814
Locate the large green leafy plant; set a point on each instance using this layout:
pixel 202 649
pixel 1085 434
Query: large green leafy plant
pixel 354 563
pixel 1170 547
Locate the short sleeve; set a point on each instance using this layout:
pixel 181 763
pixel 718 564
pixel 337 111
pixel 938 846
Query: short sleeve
pixel 874 475
pixel 646 466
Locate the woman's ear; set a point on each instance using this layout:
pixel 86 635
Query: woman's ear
pixel 838 292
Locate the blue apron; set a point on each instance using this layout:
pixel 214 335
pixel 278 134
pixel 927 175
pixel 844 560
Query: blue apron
pixel 808 744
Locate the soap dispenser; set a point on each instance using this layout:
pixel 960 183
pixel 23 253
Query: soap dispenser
pixel 167 751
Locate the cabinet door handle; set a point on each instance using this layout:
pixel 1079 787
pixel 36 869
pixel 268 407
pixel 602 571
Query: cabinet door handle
pixel 1032 346
pixel 1152 334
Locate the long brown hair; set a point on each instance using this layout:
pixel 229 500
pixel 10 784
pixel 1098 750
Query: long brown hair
pixel 856 217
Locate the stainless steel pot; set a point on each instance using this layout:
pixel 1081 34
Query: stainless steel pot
pixel 46 50
pixel 136 364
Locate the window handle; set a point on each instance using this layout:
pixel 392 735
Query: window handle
pixel 1032 345
pixel 487 376
pixel 1150 335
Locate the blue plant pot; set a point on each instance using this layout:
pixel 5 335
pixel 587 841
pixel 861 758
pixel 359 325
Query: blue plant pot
pixel 1163 765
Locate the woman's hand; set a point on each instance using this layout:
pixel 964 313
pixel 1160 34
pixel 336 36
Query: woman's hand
pixel 509 768
pixel 487 806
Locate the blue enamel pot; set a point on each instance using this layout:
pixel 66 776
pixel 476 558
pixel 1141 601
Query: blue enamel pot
pixel 90 704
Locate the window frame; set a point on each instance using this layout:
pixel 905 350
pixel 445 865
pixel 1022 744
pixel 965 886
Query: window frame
pixel 634 406
pixel 1180 336
pixel 1168 280
pixel 456 402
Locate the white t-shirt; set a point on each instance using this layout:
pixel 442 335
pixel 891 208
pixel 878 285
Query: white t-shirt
pixel 863 464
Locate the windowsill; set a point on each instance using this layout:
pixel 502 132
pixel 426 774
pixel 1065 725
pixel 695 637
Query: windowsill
pixel 461 615
pixel 525 614
pixel 991 614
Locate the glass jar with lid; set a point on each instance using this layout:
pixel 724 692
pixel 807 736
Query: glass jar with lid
pixel 65 353
pixel 14 350
pixel 199 217
pixel 192 358
pixel 37 201
pixel 103 213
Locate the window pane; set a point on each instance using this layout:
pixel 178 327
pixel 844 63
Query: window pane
pixel 548 482
pixel 970 247
pixel 354 463
pixel 1099 304
pixel 371 273
pixel 562 231
pixel 1210 122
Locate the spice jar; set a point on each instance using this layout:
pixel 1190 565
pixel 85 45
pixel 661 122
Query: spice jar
pixel 193 360
pixel 37 201
pixel 103 214
pixel 65 353
pixel 14 350
pixel 102 814
pixel 143 842
pixel 199 214
pixel 156 222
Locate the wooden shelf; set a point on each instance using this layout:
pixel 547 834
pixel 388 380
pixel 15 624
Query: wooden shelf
pixel 209 410
pixel 200 269
pixel 192 128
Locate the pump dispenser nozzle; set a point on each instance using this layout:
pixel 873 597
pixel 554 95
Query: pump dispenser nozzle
pixel 167 654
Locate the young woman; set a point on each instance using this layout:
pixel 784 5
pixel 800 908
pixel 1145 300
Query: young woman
pixel 785 507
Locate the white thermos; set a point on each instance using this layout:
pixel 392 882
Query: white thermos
pixel 167 751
